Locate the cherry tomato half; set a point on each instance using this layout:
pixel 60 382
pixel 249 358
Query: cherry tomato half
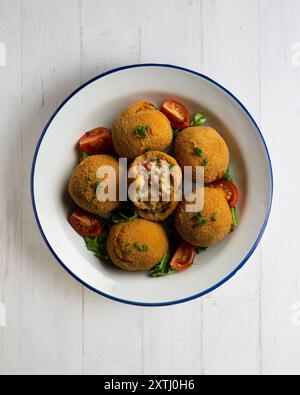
pixel 177 114
pixel 231 191
pixel 85 224
pixel 96 142
pixel 184 257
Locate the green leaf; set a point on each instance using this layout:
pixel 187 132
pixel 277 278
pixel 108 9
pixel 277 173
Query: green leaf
pixel 97 246
pixel 199 120
pixel 198 151
pixel 228 176
pixel 121 217
pixel 163 268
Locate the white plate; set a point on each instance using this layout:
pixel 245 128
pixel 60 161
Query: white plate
pixel 97 103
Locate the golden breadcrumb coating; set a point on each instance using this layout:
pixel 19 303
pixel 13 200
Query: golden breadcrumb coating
pixel 128 143
pixel 210 226
pixel 137 245
pixel 83 184
pixel 214 153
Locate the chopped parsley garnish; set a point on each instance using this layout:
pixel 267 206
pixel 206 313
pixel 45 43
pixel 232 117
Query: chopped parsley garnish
pixel 97 246
pixel 176 131
pixel 142 131
pixel 149 149
pixel 201 223
pixel 197 216
pixel 214 217
pixel 199 120
pixel 205 162
pixel 143 248
pixel 198 151
pixel 128 250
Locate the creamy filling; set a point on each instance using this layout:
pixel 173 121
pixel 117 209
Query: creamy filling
pixel 155 184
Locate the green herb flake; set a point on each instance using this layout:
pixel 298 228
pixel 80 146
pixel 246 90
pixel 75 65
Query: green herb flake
pixel 199 120
pixel 198 151
pixel 205 162
pixel 234 217
pixel 130 215
pixel 196 217
pixel 149 149
pixel 142 131
pixel 143 248
pixel 176 131
pixel 214 217
pixel 202 223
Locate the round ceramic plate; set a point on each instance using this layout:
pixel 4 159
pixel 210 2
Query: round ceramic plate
pixel 97 103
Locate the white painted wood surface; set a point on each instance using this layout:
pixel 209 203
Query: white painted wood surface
pixel 54 326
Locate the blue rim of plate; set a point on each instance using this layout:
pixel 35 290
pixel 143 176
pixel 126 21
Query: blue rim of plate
pixel 227 278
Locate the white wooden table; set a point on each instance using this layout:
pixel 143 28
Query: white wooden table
pixel 50 324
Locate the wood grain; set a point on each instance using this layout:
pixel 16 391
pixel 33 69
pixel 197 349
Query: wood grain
pixel 232 56
pixel 281 123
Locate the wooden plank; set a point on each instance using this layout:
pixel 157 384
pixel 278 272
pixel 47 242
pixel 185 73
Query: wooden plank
pixel 110 35
pixel 280 121
pixel 10 188
pixel 231 320
pixel 52 308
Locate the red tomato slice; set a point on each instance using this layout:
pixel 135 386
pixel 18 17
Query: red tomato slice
pixel 85 224
pixel 231 191
pixel 184 257
pixel 96 142
pixel 177 114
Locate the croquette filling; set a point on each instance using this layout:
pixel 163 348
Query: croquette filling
pixel 155 180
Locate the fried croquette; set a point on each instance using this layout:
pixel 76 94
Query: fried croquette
pixel 156 177
pixel 137 245
pixel 202 146
pixel 84 183
pixel 209 226
pixel 140 128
